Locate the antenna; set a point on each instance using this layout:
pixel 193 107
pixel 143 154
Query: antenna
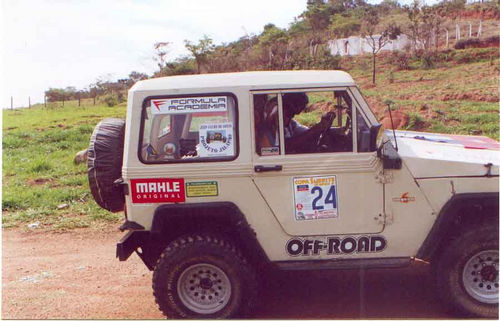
pixel 389 103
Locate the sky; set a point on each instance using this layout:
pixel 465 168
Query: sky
pixel 61 43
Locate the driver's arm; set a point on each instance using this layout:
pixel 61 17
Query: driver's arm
pixel 305 139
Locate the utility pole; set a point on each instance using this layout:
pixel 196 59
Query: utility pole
pixel 11 102
pixel 29 102
pixel 45 101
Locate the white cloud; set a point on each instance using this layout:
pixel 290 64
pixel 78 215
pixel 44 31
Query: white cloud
pixel 51 43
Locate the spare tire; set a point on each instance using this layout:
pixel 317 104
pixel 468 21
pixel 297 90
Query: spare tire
pixel 105 156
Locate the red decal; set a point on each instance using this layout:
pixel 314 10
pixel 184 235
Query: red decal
pixel 157 190
pixel 477 142
pixel 158 103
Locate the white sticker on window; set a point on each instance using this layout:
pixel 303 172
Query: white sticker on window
pixel 216 140
pixel 189 105
pixel 315 197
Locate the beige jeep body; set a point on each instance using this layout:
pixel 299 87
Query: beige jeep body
pixel 363 206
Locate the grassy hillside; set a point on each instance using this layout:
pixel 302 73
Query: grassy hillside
pixel 459 94
pixel 38 171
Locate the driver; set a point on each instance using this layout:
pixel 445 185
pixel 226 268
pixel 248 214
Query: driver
pixel 299 138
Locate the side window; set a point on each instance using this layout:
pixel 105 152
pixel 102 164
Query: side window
pixel 317 122
pixel 189 129
pixel 267 140
pixel 363 133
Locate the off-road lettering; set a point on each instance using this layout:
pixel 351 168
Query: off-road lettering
pixel 336 245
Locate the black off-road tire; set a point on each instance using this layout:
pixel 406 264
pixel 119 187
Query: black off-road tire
pixel 449 268
pixel 179 260
pixel 105 156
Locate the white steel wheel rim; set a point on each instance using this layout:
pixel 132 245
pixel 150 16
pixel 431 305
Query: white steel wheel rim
pixel 480 277
pixel 204 288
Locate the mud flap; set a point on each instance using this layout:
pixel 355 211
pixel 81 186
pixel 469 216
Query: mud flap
pixel 130 242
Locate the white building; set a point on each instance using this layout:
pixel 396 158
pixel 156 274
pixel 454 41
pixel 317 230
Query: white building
pixel 353 46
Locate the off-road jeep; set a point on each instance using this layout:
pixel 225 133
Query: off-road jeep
pixel 304 179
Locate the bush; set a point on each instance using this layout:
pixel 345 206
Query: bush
pixel 401 60
pixel 493 41
pixel 110 100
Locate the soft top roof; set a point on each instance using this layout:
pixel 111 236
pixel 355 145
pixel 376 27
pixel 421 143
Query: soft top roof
pixel 253 79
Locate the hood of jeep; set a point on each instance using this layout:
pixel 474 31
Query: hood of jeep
pixel 442 155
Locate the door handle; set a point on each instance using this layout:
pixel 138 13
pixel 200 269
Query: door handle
pixel 261 168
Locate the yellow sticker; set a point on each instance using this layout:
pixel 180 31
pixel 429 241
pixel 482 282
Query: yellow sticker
pixel 201 189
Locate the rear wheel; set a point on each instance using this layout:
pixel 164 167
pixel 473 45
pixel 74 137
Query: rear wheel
pixel 203 277
pixel 467 272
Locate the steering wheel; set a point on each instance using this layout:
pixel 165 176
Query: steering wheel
pixel 331 117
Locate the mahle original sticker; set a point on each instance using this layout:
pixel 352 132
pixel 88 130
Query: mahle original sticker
pixel 201 189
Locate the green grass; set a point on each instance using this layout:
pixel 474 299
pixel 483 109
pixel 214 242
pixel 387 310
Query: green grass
pixel 39 145
pixel 455 96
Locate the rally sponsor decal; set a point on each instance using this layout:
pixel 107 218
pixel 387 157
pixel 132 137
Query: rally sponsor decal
pixel 201 189
pixel 269 151
pixel 157 190
pixel 335 245
pixel 216 140
pixel 189 105
pixel 405 198
pixel 315 197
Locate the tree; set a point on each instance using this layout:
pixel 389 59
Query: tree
pixel 425 24
pixel 371 22
pixel 344 26
pixel 134 77
pixel 160 57
pixel 201 52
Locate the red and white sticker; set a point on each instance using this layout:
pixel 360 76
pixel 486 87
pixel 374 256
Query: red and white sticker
pixel 157 190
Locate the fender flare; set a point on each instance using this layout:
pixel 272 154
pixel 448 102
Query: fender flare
pixel 167 217
pixel 449 213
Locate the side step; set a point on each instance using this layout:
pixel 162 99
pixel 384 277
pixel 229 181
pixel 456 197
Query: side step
pixel 344 264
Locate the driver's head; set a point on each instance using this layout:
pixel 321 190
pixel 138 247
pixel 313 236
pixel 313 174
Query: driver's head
pixel 293 104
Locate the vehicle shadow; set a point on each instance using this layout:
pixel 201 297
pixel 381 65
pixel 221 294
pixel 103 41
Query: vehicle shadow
pixel 356 294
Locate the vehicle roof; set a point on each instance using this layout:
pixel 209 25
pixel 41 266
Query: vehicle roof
pixel 252 79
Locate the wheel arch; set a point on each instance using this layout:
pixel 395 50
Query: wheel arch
pixel 171 221
pixel 461 210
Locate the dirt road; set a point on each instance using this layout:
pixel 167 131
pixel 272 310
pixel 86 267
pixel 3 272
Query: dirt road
pixel 76 275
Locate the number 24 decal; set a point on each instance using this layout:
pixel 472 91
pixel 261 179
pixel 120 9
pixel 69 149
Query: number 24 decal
pixel 329 199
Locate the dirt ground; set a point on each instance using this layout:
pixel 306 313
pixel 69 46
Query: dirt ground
pixel 76 275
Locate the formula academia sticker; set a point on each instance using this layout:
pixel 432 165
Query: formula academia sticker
pixel 315 197
pixel 335 245
pixel 157 190
pixel 216 140
pixel 189 105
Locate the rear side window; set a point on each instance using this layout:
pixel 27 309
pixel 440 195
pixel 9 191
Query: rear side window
pixel 179 129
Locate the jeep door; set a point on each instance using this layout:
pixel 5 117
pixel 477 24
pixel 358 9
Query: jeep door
pixel 328 183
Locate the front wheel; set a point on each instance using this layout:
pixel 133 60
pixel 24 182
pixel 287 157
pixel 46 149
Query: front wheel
pixel 467 272
pixel 203 277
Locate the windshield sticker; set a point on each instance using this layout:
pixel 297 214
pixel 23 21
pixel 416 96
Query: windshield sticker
pixel 157 190
pixel 201 189
pixel 335 245
pixel 189 105
pixel 315 197
pixel 216 140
